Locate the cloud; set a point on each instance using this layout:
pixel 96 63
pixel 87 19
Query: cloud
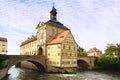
pixel 96 21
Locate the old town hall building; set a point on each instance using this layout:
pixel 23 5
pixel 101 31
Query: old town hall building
pixel 53 40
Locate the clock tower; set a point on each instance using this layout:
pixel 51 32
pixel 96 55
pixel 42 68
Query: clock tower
pixel 53 13
pixel 46 30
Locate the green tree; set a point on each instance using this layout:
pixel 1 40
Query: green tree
pixel 113 49
pixel 81 52
pixel 2 58
pixel 118 49
pixel 108 63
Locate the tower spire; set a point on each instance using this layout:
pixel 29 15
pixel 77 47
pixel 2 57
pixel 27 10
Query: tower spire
pixel 53 13
pixel 53 4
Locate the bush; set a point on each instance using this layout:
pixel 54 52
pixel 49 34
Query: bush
pixel 108 63
pixel 2 58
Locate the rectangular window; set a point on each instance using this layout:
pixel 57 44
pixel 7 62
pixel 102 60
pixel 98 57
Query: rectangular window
pixel 63 46
pixel 3 45
pixel 63 54
pixel 48 54
pixel 74 62
pixel 48 48
pixel 58 54
pixel 66 54
pixel 63 62
pixel 74 48
pixel 69 48
pixel 70 54
pixel 3 50
pixel 68 62
pixel 58 47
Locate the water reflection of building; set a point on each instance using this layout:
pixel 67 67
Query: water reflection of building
pixel 53 40
pixel 94 52
pixel 3 45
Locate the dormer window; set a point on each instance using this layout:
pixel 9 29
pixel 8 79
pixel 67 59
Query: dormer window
pixel 61 36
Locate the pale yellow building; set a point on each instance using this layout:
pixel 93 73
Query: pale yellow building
pixel 29 46
pixel 94 52
pixel 62 50
pixel 55 41
pixel 3 46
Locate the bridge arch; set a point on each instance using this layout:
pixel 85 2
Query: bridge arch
pixel 37 60
pixel 39 65
pixel 83 64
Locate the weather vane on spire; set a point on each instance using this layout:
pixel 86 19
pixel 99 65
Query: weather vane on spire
pixel 53 4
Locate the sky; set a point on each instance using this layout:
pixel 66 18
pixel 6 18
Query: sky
pixel 93 23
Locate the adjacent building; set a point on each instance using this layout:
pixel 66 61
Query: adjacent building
pixel 29 46
pixel 54 41
pixel 3 46
pixel 94 52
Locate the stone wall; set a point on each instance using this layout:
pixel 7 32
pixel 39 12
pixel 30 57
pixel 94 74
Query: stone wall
pixel 3 73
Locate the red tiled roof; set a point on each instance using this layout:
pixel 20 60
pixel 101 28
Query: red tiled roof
pixel 93 50
pixel 3 39
pixel 58 38
pixel 33 38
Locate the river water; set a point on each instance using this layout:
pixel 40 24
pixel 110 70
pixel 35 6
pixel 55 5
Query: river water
pixel 25 74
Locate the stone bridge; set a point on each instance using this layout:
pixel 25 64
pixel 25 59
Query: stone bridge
pixel 86 62
pixel 39 61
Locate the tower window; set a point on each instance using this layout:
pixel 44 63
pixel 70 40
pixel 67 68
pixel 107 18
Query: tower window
pixel 53 31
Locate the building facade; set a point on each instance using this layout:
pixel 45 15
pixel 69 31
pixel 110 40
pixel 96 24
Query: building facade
pixel 3 46
pixel 55 41
pixel 29 46
pixel 94 52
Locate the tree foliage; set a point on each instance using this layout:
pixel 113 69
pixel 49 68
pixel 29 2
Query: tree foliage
pixel 81 51
pixel 2 58
pixel 108 62
pixel 113 49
